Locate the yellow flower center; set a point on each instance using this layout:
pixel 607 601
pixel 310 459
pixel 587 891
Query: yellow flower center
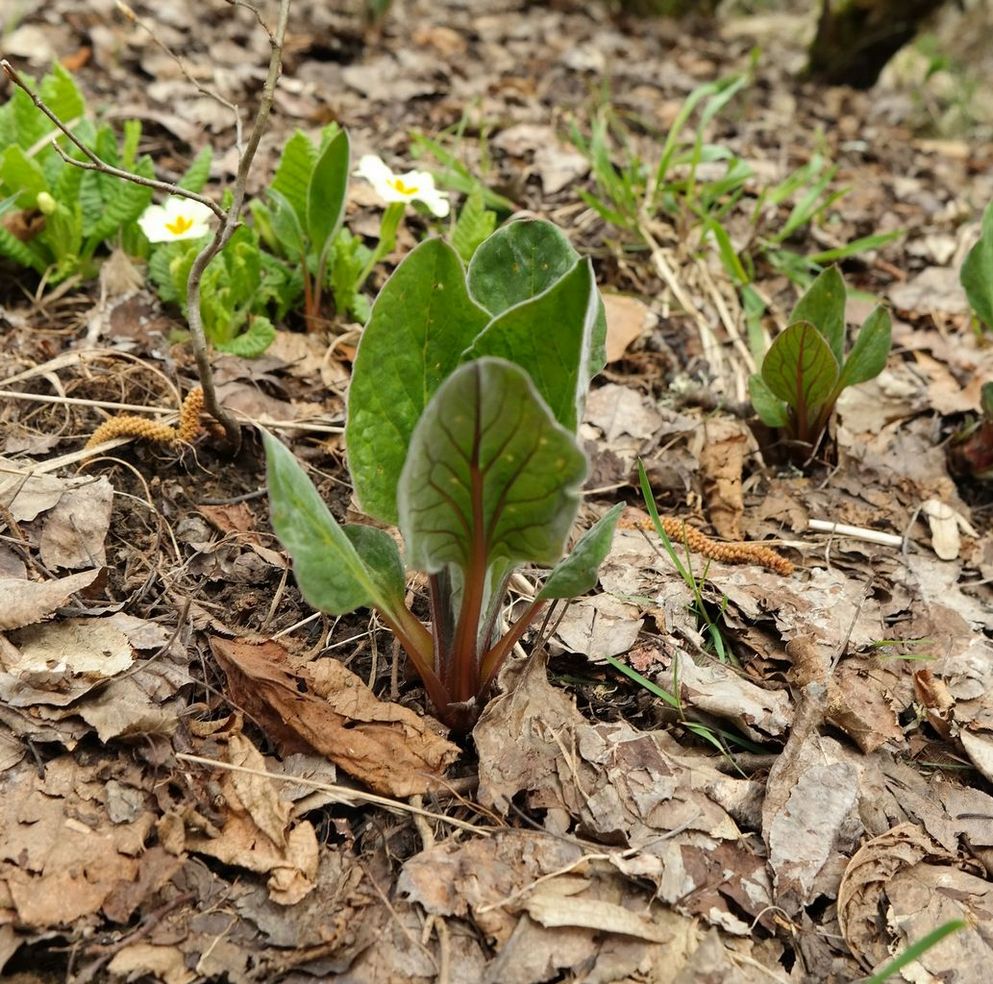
pixel 404 189
pixel 181 225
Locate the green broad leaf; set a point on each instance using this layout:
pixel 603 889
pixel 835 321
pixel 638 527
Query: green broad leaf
pixel 577 573
pixel 330 571
pixel 348 259
pixel 380 555
pixel 286 226
pixel 772 411
pixel 23 175
pixel 519 261
pixel 491 478
pixel 800 369
pixel 549 336
pixel 28 255
pixel 867 358
pixel 196 175
pixel 326 192
pixel 29 123
pixel 977 271
pixel 124 201
pixel 63 235
pixel 475 224
pixel 61 95
pixel 823 305
pixel 252 343
pixel 422 322
pixel 292 177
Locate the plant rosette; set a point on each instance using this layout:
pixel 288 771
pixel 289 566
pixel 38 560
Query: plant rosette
pixel 466 395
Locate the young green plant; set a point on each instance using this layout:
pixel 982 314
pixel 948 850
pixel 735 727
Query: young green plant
pixel 806 368
pixel 465 399
pixel 977 272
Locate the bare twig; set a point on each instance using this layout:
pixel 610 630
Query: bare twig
pixel 227 220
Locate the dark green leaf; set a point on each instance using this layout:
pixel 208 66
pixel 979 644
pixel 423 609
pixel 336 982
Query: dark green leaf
pixel 286 226
pixel 330 572
pixel 977 271
pixel 867 358
pixel 326 192
pixel 800 369
pixel 823 305
pixel 422 322
pixel 577 574
pixel 491 478
pixel 292 178
pixel 771 410
pixel 549 336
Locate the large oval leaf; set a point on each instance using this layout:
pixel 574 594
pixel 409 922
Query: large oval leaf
pixel 421 323
pixel 490 477
pixel 331 573
pixel 800 369
pixel 523 259
pixel 549 336
pixel 823 305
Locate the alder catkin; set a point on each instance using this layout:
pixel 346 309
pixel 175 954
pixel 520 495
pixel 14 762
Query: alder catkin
pixel 130 425
pixel 728 553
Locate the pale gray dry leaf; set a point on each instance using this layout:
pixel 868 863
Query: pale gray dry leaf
pixel 620 410
pixel 28 495
pixel 599 626
pixel 629 787
pixel 917 886
pixel 936 289
pixel 26 602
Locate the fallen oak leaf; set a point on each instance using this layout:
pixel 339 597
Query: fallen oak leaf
pixel 325 707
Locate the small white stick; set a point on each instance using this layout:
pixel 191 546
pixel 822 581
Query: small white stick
pixel 860 533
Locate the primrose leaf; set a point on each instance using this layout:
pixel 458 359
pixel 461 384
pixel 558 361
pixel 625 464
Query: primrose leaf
pixel 421 323
pixel 286 225
pixel 977 271
pixel 22 174
pixel 867 358
pixel 326 192
pixel 252 343
pixel 800 369
pixel 577 573
pixel 195 176
pixel 490 479
pixel 292 177
pixel 823 305
pixel 61 94
pixel 549 336
pixel 521 260
pixel 330 572
pixel 771 410
pixel 27 254
pixel 475 223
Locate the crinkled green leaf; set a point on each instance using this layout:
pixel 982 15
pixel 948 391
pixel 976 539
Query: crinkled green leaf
pixel 124 201
pixel 577 573
pixel 196 175
pixel 292 177
pixel 252 343
pixel 772 411
pixel 326 192
pixel 800 369
pixel 491 477
pixel 61 94
pixel 867 358
pixel 475 223
pixel 331 573
pixel 22 174
pixel 823 305
pixel 521 260
pixel 977 271
pixel 26 254
pixel 421 323
pixel 549 336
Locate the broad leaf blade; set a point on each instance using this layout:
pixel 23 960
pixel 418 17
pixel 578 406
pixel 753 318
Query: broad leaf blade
pixel 520 261
pixel 800 369
pixel 867 358
pixel 549 336
pixel 823 305
pixel 767 405
pixel 977 271
pixel 421 323
pixel 292 177
pixel 252 343
pixel 326 192
pixel 196 175
pixel 577 573
pixel 329 570
pixel 491 478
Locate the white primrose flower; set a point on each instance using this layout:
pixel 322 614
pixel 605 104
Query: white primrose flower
pixel 407 187
pixel 179 218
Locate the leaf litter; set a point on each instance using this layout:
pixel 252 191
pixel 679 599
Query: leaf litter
pixel 803 810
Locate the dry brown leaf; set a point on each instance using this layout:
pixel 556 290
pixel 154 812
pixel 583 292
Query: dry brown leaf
pixel 75 530
pixel 628 318
pixel 388 747
pixel 722 457
pixel 26 602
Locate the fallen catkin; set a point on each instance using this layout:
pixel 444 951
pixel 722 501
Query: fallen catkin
pixel 129 425
pixel 728 553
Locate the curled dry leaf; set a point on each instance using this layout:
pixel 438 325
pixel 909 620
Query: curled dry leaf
pixel 27 602
pixel 327 708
